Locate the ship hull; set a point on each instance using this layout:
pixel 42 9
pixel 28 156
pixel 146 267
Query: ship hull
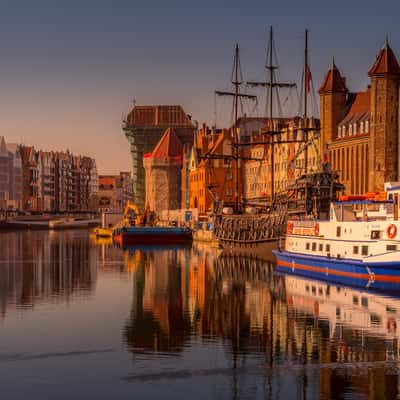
pixel 380 276
pixel 152 235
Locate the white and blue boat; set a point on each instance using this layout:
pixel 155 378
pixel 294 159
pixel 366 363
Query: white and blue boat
pixel 357 244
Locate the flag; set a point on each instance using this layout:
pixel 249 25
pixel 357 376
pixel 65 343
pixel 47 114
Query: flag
pixel 308 79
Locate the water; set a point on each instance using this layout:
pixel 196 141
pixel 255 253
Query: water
pixel 82 319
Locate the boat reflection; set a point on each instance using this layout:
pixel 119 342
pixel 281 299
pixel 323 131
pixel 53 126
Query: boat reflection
pixel 324 332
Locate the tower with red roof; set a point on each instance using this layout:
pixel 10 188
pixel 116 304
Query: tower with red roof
pixel 163 173
pixel 384 140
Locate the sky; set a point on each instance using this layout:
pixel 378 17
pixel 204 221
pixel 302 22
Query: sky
pixel 70 70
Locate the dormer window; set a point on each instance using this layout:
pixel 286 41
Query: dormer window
pixel 362 127
pixel 343 131
pixel 354 129
pixel 366 126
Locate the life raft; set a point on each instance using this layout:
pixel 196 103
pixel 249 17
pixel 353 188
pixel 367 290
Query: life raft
pixel 391 231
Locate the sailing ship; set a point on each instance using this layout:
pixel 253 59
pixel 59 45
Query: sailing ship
pixel 310 193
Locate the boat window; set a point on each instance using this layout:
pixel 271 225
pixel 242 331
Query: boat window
pixel 364 250
pixel 376 319
pixel 321 247
pixel 391 247
pixel 328 247
pixel 338 231
pixel 307 246
pixel 314 246
pixel 375 234
pixel 313 290
pixel 355 250
pixel 355 300
pixel 364 302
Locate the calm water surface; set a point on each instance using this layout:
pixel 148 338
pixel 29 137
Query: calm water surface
pixel 82 319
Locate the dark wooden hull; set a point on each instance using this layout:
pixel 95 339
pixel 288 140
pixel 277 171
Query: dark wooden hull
pixel 151 236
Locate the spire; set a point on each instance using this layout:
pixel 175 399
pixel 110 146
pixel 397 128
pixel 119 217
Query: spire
pixel 333 81
pixel 386 62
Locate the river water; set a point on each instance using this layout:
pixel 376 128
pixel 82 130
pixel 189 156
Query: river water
pixel 81 319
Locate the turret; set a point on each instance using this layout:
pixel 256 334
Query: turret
pixel 383 151
pixel 333 93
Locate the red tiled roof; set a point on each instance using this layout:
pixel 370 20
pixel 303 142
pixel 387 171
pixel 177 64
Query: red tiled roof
pixel 385 63
pixel 168 146
pixel 333 82
pixel 359 109
pixel 361 103
pixel 158 115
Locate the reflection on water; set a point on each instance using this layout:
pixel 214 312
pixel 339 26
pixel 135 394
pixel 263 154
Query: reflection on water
pixel 43 266
pixel 191 321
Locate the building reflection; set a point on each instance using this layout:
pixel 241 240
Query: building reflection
pixel 44 266
pixel 158 321
pixel 337 339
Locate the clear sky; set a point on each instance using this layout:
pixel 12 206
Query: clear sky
pixel 69 70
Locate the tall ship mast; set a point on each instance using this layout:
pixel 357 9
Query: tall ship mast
pixel 311 192
pixel 237 81
pixel 271 84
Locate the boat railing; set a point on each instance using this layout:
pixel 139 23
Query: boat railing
pixel 303 224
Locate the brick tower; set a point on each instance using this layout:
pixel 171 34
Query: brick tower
pixel 383 152
pixel 333 93
pixel 163 173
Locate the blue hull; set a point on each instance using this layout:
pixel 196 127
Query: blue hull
pixel 382 277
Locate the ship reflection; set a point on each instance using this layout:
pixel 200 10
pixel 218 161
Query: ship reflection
pixel 44 267
pixel 338 340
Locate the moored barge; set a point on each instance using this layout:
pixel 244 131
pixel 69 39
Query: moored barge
pixel 133 235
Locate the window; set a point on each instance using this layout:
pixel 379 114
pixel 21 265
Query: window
pixel 391 247
pixel 229 176
pixel 375 234
pixel 362 127
pixel 338 231
pixel 355 250
pixel 307 246
pixel 364 250
pixel 364 302
pixel 355 300
pixel 366 126
pixel 314 246
pixel 350 129
pixel 328 247
pixel 321 247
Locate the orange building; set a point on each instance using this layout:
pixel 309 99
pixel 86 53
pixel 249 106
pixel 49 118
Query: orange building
pixel 211 175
